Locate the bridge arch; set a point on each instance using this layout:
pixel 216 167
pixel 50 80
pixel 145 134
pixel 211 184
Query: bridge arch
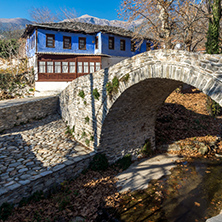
pixel 120 122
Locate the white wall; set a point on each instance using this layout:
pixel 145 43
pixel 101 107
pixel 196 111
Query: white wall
pixel 49 88
pixel 107 62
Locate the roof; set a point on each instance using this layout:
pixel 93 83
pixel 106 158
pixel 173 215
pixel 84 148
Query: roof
pixel 85 28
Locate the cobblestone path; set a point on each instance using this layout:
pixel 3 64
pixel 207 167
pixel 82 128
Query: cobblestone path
pixel 33 150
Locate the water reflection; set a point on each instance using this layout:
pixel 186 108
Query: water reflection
pixel 193 192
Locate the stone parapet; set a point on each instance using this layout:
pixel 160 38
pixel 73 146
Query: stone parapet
pixel 45 180
pixel 18 111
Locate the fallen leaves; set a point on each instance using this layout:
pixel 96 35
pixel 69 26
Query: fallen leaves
pixel 197 204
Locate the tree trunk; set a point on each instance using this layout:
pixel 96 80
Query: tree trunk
pixel 165 27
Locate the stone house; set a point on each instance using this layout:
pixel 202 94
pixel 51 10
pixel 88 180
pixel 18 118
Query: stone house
pixel 61 52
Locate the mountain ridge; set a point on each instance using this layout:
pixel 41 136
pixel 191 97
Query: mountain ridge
pixel 20 23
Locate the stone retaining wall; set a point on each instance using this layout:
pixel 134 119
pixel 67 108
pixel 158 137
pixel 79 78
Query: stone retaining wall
pixel 45 180
pixel 18 111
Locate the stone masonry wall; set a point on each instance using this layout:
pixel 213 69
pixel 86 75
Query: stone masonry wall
pixel 45 180
pixel 15 112
pixel 120 123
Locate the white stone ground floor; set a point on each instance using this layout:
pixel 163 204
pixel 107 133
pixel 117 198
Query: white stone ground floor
pixel 37 155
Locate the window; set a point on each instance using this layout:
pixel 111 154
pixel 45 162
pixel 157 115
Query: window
pixel 79 67
pixel 111 42
pixel 57 67
pixel 133 46
pixel 72 67
pixel 49 67
pixel 97 42
pixel 65 67
pixel 148 46
pixel 91 67
pixel 97 66
pixel 41 67
pixel 86 67
pixel 122 45
pixel 82 43
pixel 50 40
pixel 66 42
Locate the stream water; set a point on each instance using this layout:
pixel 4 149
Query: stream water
pixel 192 193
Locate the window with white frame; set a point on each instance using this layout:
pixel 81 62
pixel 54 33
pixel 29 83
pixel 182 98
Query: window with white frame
pixel 97 66
pixel 82 43
pixel 72 67
pixel 91 67
pixel 50 40
pixel 86 67
pixel 57 67
pixel 41 67
pixel 49 67
pixel 65 67
pixel 79 67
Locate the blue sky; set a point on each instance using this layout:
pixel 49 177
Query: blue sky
pixel 98 8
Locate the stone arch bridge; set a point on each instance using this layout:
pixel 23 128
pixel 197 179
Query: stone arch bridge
pixel 119 122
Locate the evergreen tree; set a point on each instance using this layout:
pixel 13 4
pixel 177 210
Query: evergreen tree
pixel 212 44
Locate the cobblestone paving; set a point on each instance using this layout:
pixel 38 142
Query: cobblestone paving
pixel 35 149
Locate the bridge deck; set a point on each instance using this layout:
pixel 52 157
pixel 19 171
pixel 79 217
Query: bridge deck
pixel 31 151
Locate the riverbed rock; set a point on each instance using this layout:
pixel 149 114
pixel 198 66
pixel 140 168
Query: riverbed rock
pixel 203 150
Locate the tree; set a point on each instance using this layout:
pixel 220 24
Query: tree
pixel 167 21
pixel 214 10
pixel 8 48
pixel 45 15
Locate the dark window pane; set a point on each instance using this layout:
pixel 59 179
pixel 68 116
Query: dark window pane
pixel 50 41
pixel 122 45
pixel 97 42
pixel 82 43
pixel 111 42
pixel 133 46
pixel 66 42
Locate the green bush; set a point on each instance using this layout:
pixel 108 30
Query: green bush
pixel 5 211
pixel 87 142
pixel 8 47
pixel 112 87
pixel 109 88
pixel 99 163
pixel 124 162
pixel 87 119
pixel 146 149
pixel 81 94
pixel 126 77
pixel 96 94
pixel 213 107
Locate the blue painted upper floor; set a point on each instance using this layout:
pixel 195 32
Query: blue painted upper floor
pixel 84 39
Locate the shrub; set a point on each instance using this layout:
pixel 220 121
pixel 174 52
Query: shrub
pixel 5 211
pixel 81 94
pixel 99 163
pixel 112 87
pixel 126 77
pixel 87 142
pixel 124 162
pixel 146 149
pixel 96 94
pixel 87 119
pixel 213 107
pixel 109 88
